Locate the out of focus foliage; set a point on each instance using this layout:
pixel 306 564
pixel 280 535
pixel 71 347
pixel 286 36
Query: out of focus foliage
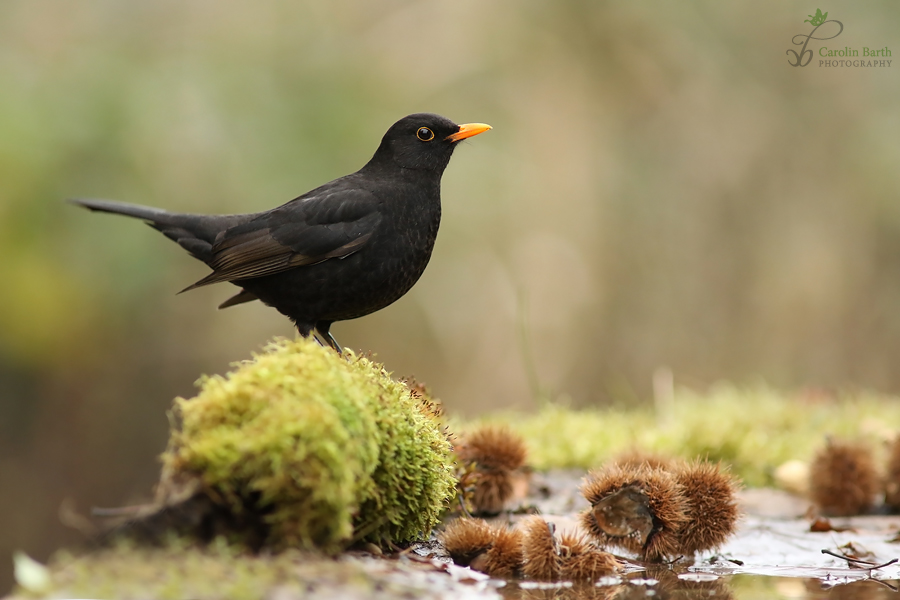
pixel 752 431
pixel 660 188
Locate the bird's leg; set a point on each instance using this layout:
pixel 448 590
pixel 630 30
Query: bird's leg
pixel 333 343
pixel 322 328
pixel 308 331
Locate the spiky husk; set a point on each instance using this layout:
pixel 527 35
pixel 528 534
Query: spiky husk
pixel 493 447
pixel 491 490
pixel 583 561
pixel 541 557
pixel 505 557
pixel 844 478
pixel 494 550
pixel 711 505
pixel 465 539
pixel 491 457
pixel 665 501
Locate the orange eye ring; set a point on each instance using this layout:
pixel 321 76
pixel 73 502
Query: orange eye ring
pixel 425 134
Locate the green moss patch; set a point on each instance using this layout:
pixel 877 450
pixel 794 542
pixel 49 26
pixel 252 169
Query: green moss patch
pixel 318 449
pixel 224 572
pixel 752 429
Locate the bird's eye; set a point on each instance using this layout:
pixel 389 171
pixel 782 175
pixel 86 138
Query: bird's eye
pixel 425 134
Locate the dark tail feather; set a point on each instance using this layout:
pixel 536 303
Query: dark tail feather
pixel 194 233
pixel 147 213
pixel 239 298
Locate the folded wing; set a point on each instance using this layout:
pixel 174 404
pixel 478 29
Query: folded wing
pixel 326 223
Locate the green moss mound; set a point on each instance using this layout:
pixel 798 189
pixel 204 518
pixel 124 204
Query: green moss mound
pixel 328 449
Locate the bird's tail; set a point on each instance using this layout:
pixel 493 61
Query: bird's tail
pixel 194 233
pixel 147 213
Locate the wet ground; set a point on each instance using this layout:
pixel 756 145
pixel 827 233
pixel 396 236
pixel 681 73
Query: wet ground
pixel 774 554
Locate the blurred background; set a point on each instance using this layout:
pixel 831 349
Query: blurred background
pixel 661 188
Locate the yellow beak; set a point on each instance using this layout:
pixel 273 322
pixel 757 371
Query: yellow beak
pixel 467 131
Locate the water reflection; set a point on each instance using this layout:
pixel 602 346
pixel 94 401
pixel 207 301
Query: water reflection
pixel 665 585
pixel 751 587
pixel 656 583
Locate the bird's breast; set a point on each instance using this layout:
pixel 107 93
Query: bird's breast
pixel 379 273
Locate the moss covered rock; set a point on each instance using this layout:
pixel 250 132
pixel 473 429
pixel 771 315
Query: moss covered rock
pixel 319 450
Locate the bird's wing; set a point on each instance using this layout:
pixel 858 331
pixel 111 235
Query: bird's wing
pixel 326 223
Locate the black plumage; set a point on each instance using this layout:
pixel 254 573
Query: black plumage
pixel 341 251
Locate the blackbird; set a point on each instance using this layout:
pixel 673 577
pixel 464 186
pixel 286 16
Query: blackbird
pixel 338 252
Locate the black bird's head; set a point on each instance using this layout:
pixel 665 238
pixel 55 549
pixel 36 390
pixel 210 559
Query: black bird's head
pixel 424 141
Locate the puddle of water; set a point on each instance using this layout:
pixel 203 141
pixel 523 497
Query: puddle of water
pixel 757 587
pixel 732 587
pixel 773 555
